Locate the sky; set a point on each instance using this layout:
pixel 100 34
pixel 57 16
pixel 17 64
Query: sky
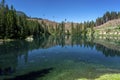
pixel 71 10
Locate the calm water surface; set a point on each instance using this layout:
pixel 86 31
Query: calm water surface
pixel 57 59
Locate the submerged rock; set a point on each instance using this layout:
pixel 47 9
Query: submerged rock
pixel 29 39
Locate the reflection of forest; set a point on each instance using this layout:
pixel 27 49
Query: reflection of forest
pixel 9 52
pixel 107 51
pixel 109 45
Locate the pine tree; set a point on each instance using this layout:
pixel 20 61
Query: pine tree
pixel 2 19
pixel 72 28
pixel 118 14
pixel 114 15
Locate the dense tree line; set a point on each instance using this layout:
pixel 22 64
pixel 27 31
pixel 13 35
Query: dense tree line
pixel 82 28
pixel 78 29
pixel 58 29
pixel 17 26
pixel 107 17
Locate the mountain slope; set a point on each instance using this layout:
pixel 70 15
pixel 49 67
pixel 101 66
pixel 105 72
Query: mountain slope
pixel 20 13
pixel 110 28
pixel 112 23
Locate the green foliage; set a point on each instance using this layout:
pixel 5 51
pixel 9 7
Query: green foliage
pixel 118 14
pixel 58 30
pixel 18 26
pixel 109 77
pixel 15 26
pixel 82 28
pixel 107 17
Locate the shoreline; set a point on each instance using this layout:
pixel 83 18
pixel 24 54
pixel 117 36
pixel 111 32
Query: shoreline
pixel 6 40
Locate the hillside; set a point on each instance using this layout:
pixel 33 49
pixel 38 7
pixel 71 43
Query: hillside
pixel 110 28
pixel 46 21
pixel 17 25
pixel 112 23
pixel 20 13
pixel 50 23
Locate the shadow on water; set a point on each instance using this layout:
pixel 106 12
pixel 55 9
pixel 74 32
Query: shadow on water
pixel 32 75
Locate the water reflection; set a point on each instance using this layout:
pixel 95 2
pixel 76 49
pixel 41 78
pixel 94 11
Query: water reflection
pixel 106 51
pixel 16 55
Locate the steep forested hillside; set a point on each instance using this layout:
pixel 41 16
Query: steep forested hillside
pixel 15 25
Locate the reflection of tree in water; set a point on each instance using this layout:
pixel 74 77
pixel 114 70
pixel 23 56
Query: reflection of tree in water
pixel 106 51
pixel 8 58
pixel 90 43
pixel 9 52
pixel 82 41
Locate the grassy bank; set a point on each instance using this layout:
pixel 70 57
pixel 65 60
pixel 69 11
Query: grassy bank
pixel 106 77
pixel 107 31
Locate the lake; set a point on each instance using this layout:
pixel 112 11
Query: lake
pixel 58 58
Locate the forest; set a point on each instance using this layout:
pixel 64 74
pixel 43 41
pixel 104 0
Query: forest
pixel 78 29
pixel 14 26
